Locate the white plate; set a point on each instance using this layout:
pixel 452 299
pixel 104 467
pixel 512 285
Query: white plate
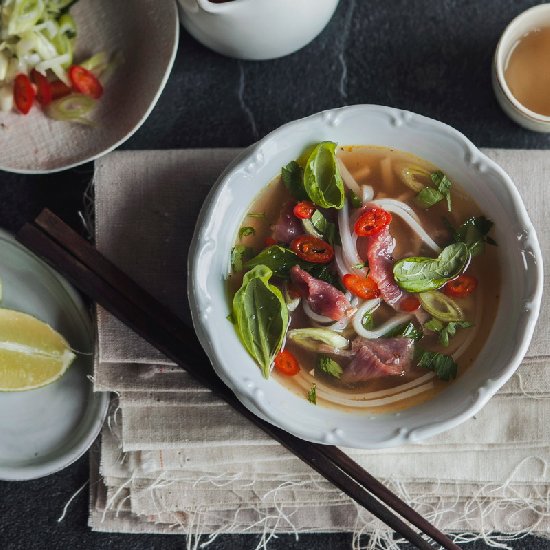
pixel 487 183
pixel 45 430
pixel 146 33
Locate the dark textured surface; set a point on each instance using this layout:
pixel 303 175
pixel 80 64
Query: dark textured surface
pixel 431 57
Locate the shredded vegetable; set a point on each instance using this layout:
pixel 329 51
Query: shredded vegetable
pixel 39 36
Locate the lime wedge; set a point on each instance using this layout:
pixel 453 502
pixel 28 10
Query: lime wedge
pixel 32 354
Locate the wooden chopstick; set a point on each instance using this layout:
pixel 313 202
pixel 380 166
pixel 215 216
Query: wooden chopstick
pixel 110 287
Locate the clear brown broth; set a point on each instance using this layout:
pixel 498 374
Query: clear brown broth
pixel 527 73
pixel 364 163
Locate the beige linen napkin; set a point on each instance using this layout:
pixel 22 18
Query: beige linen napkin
pixel 175 459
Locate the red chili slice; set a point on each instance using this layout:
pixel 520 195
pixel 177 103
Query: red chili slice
pixel 312 249
pixel 461 286
pixel 23 93
pixel 85 82
pixel 59 89
pixel 286 363
pixel 372 222
pixel 410 303
pixel 270 241
pixel 304 210
pixel 43 88
pixel 363 287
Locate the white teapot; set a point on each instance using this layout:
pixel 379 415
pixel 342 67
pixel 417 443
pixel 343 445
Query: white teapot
pixel 256 29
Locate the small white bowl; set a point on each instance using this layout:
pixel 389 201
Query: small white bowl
pixel 535 17
pixel 147 37
pixel 256 29
pixel 487 183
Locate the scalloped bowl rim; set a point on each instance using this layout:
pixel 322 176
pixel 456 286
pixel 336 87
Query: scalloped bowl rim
pixel 208 265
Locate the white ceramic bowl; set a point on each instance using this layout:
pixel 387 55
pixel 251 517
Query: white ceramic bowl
pixel 146 35
pixel 256 29
pixel 438 143
pixel 535 17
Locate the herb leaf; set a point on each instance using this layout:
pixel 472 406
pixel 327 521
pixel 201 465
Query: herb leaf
pixel 428 197
pixel 354 200
pixel 329 366
pixel 239 255
pixel 419 274
pixel 445 331
pixel 259 215
pixel 405 330
pixel 280 260
pixel 312 394
pixel 261 317
pixel 473 232
pixel 246 231
pixel 441 190
pixel 327 229
pixel 443 365
pixel 322 181
pixel 368 321
pixel 293 178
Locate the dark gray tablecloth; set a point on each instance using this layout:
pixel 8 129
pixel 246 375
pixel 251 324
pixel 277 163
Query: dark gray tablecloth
pixel 429 56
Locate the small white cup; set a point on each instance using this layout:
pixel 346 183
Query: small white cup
pixel 256 29
pixel 535 17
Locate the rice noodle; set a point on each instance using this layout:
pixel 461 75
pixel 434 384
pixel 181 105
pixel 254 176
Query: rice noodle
pixel 348 179
pixel 315 316
pixel 388 204
pixel 342 324
pixel 368 193
pixel 384 328
pixel 371 399
pixel 401 210
pixel 340 264
pixel 349 249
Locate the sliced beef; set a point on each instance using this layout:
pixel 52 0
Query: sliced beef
pixel 288 226
pixel 379 256
pixel 321 296
pixel 379 357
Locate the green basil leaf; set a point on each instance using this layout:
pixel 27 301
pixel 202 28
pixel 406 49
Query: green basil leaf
pixel 327 229
pixel 246 231
pixel 293 178
pixel 322 181
pixel 405 330
pixel 329 366
pixel 443 365
pixel 239 255
pixel 474 232
pixel 261 317
pixel 312 395
pixel 428 197
pixel 278 259
pixel 419 274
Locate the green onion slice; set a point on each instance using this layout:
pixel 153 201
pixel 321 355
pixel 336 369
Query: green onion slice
pixel 440 306
pixel 72 108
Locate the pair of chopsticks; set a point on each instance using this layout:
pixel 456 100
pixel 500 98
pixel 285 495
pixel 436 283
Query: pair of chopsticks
pixel 50 238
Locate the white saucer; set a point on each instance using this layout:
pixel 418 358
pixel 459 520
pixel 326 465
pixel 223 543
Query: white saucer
pixel 45 430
